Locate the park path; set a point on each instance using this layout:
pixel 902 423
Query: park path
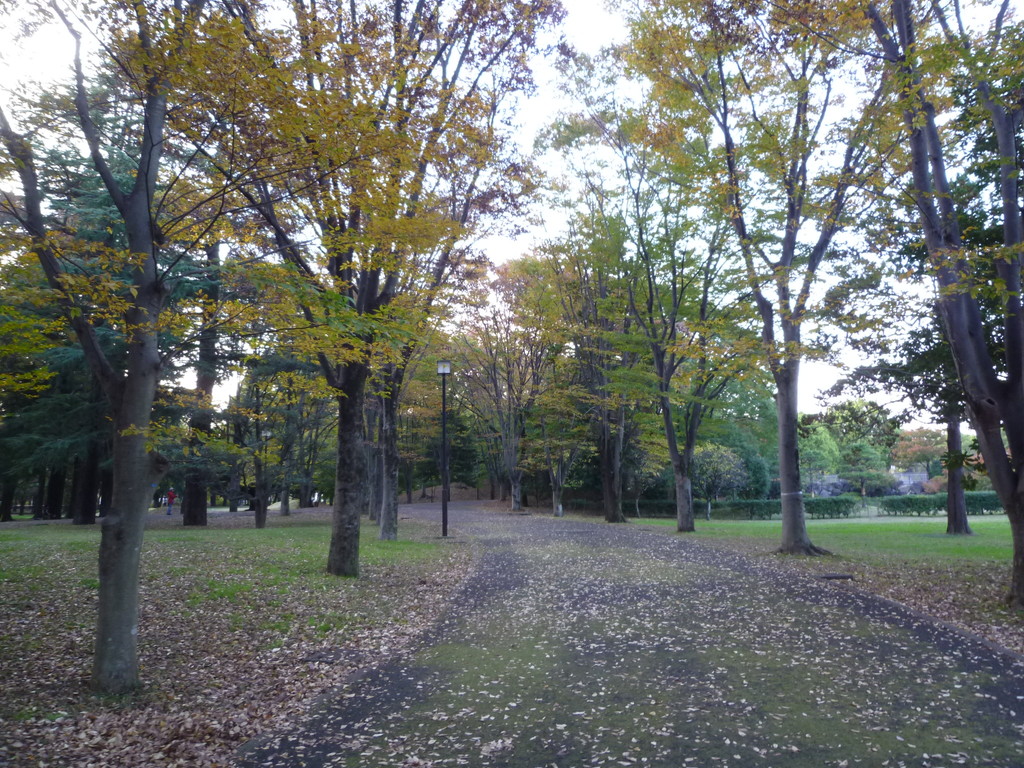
pixel 579 644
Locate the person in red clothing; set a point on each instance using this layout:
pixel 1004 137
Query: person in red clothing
pixel 171 496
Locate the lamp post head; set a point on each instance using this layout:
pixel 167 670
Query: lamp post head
pixel 444 367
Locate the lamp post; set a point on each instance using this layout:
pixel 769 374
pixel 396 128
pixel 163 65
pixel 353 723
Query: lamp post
pixel 444 367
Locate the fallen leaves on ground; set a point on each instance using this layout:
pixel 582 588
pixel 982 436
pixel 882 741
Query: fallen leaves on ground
pixel 223 658
pixel 966 595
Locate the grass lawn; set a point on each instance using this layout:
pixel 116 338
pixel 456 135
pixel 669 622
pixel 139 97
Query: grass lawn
pixel 239 629
pixel 961 580
pixel 877 538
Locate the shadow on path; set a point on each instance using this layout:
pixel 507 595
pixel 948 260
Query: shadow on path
pixel 583 644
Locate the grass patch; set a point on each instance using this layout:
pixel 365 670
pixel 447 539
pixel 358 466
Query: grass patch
pixel 962 580
pixel 239 628
pixel 921 539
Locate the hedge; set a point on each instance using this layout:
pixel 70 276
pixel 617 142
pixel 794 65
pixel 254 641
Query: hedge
pixel 751 509
pixel 978 503
pixel 931 504
pixel 983 503
pixel 830 507
pixel 742 509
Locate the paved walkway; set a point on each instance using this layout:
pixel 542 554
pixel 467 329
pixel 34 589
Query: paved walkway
pixel 578 645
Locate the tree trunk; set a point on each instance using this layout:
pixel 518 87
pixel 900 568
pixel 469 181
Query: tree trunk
pixel 9 491
pixel 261 492
pixel 684 498
pixel 136 471
pixel 556 498
pixel 374 463
pixel 39 499
pixel 106 486
pixel 86 494
pixel 390 462
pixel 234 488
pixel 956 504
pixel 350 476
pixel 55 493
pixel 194 510
pixel 795 539
pixel 515 480
pixel 610 458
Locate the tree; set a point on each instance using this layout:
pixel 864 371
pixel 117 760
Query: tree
pixel 561 428
pixel 791 159
pixel 678 277
pixel 819 452
pixel 856 420
pixel 716 471
pixel 865 465
pixel 932 57
pixel 505 357
pixel 120 284
pixel 924 372
pixel 383 138
pixel 588 274
pixel 922 447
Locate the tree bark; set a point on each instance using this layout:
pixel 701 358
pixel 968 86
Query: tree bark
pixel 795 539
pixel 54 509
pixel 350 475
pixel 390 461
pixel 373 460
pixel 610 457
pixel 956 503
pixel 556 500
pixel 680 470
pixel 39 497
pixel 515 481
pixel 86 494
pixel 261 492
pixel 7 494
pixel 136 471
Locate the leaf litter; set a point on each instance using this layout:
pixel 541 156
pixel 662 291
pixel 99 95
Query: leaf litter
pixel 585 645
pixel 225 656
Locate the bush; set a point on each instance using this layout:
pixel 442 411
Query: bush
pixel 654 507
pixel 918 505
pixel 751 509
pixel 839 506
pixel 978 503
pixel 983 503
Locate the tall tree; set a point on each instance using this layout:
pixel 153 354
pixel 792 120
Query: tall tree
pixel 588 275
pixel 505 358
pixel 717 471
pixel 679 272
pixel 150 46
pixel 382 115
pixel 934 51
pixel 793 153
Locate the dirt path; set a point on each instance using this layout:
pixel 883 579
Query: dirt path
pixel 580 644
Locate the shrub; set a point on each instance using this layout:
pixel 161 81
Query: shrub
pixel 839 506
pixel 653 507
pixel 752 509
pixel 983 502
pixel 919 505
pixel 978 503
